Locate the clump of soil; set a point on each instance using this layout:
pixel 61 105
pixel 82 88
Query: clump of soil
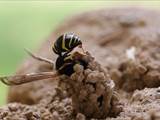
pixel 17 111
pixel 124 43
pixel 92 91
pixel 139 72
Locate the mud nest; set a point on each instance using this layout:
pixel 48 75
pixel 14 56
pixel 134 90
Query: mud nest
pixel 125 44
pixel 92 91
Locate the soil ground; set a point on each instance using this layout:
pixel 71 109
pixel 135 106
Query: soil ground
pixel 124 41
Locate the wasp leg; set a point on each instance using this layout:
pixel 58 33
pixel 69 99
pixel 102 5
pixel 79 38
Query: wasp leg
pixel 39 57
pixel 21 79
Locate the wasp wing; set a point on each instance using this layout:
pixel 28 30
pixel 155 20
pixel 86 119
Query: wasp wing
pixel 21 79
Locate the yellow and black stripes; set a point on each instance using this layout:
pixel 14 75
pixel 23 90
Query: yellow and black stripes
pixel 66 43
pixel 54 49
pixel 70 41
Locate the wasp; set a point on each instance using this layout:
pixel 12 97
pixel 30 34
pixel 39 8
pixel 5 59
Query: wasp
pixel 68 57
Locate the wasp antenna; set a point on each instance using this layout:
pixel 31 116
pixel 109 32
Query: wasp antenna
pixel 39 57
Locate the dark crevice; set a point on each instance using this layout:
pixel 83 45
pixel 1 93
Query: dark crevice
pixel 100 100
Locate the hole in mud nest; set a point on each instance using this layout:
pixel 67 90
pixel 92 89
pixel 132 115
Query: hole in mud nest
pixel 100 100
pixel 93 84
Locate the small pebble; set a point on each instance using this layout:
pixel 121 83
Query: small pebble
pixel 80 117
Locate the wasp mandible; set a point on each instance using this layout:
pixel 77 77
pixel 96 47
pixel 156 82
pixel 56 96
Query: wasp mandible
pixel 67 58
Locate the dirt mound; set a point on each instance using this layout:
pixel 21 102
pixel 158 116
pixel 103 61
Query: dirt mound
pixel 124 41
pixel 89 91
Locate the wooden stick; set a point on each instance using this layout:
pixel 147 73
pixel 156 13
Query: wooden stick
pixel 26 78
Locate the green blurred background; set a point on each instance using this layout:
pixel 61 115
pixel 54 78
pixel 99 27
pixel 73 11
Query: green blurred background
pixel 27 24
